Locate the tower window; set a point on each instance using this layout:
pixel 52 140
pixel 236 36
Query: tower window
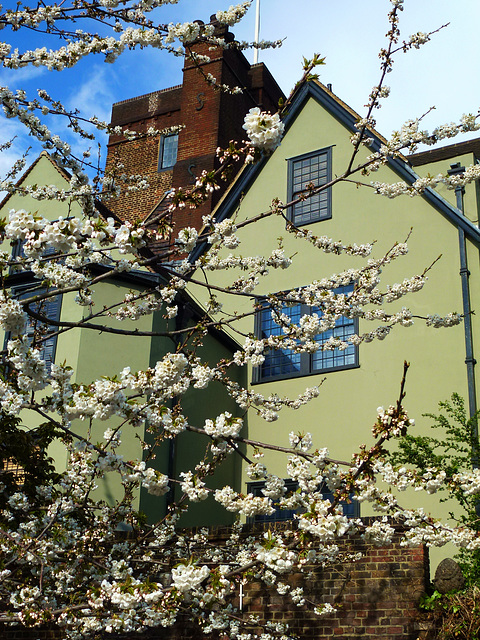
pixel 167 155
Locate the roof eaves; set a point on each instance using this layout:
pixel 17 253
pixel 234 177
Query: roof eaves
pixel 444 153
pixel 448 210
pixel 230 201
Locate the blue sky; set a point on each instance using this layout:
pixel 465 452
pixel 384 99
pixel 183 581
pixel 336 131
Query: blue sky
pixel 444 73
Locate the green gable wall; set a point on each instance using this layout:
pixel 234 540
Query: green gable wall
pixel 44 172
pixel 342 416
pixel 199 405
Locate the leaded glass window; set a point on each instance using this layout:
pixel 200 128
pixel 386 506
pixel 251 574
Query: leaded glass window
pixel 306 172
pixel 285 363
pixel 280 362
pixel 336 359
pixel 41 335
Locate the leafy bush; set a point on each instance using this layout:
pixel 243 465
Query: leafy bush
pixel 456 616
pixel 456 449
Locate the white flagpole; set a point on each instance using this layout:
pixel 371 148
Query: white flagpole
pixel 257 32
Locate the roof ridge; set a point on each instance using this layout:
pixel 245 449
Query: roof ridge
pixel 63 172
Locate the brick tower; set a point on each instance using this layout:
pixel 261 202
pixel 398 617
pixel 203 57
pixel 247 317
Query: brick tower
pixel 211 118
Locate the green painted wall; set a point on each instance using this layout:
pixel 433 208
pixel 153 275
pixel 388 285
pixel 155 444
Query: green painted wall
pixel 189 449
pixel 341 417
pixel 43 173
pixel 93 354
pixel 107 354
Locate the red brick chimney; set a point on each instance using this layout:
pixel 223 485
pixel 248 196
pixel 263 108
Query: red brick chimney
pixel 211 118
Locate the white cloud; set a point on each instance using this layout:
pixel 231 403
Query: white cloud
pixel 95 95
pixel 12 129
pixel 19 76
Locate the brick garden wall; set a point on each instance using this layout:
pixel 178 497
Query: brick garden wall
pixel 376 599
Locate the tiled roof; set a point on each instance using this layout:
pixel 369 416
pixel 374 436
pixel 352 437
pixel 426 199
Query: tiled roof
pixel 443 153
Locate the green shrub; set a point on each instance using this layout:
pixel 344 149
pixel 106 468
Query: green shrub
pixel 454 449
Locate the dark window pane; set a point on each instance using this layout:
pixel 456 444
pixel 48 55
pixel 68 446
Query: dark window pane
pixel 279 361
pixel 37 332
pixel 280 514
pixel 284 362
pixel 344 327
pixel 312 170
pixel 350 509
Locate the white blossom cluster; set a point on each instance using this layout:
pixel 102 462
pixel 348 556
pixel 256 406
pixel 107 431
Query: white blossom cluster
pixel 155 483
pixel 325 610
pixel 417 39
pixel 332 246
pixel 256 267
pixel 380 533
pixel 274 487
pixel 111 47
pixel 188 577
pixel 223 232
pixel 268 407
pixel 39 235
pixel 323 525
pixel 225 426
pixel 233 14
pixel 433 480
pixel 418 187
pixel 450 320
pixel 409 136
pixel 13 319
pixel 264 130
pixel 437 535
pixel 389 419
pixel 301 440
pixel 135 306
pixel 28 362
pixel 272 552
pixel 202 375
pixel 469 482
pixel 187 238
pixel 193 487
pixel 58 275
pixel 248 505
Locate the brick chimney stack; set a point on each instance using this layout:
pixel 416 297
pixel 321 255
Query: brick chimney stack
pixel 211 118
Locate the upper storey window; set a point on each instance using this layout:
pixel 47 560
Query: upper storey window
pixel 287 363
pixel 41 335
pixel 167 155
pixel 304 171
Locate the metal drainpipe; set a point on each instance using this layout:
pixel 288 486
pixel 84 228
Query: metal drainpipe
pixel 470 361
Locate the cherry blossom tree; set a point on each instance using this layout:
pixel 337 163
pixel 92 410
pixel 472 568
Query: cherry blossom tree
pixel 64 559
